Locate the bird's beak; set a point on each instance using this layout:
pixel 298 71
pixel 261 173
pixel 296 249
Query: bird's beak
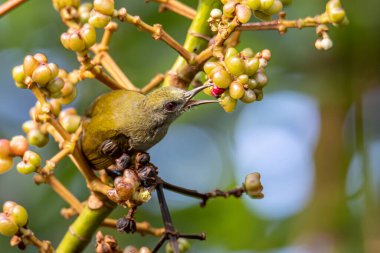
pixel 191 93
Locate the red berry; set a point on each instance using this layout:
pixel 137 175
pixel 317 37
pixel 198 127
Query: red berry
pixel 18 145
pixel 5 148
pixel 216 91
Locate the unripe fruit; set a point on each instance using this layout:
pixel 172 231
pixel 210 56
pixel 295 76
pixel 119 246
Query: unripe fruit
pixel 29 65
pixel 32 158
pixel 231 51
pixel 221 78
pixel 41 58
pixel 7 226
pixel 275 8
pixel 243 13
pixel 55 107
pixel 235 65
pixel 208 91
pixel 25 168
pixel 236 90
pixel 84 12
pixel 261 79
pixel 229 9
pixel 248 97
pixel 65 40
pixel 67 89
pixel 130 249
pixel 37 138
pixel 252 84
pixel 286 2
pixel 69 98
pixel 266 4
pixel 337 15
pixel 216 13
pixel 89 35
pixel 254 4
pixel 42 75
pixel 76 43
pixel 251 66
pixel 8 205
pixel 227 102
pixel 71 123
pixel 216 91
pixel 5 148
pixel 259 94
pixel 54 69
pixel 98 20
pixel 6 164
pixel 29 125
pixel 145 250
pixel 105 7
pixel 266 54
pixel 243 79
pixel 18 74
pixel 19 145
pixel 19 215
pixel 247 53
pixel 55 85
pixel 67 112
pixel 262 16
pixel 183 246
pixel 209 66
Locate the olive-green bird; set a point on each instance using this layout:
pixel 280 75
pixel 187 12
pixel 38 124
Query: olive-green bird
pixel 125 121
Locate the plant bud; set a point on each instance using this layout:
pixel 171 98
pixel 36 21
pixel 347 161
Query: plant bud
pixel 32 158
pixel 67 112
pixel 54 69
pixel 236 90
pixel 259 94
pixel 6 164
pixel 266 54
pixel 252 182
pixel 29 125
pixel 7 226
pixel 19 215
pixel 65 40
pixel 55 85
pixel 98 20
pixel 262 63
pixel 248 97
pixel 251 66
pixel 105 7
pixel 42 75
pixel 5 148
pixel 19 145
pixel 235 65
pixel 216 13
pixel 252 84
pixel 37 138
pixel 326 43
pixel 243 13
pixel 337 15
pixel 71 123
pixel 25 168
pixel 221 78
pixel 29 65
pixel 55 107
pixel 231 51
pixel 227 102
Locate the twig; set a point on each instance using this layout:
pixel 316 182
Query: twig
pixel 158 33
pixel 156 81
pixel 10 5
pixel 144 228
pixel 43 246
pixel 177 7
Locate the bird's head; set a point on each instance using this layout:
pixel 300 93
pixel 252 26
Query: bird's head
pixel 167 103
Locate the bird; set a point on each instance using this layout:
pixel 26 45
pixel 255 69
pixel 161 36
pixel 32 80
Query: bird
pixel 125 122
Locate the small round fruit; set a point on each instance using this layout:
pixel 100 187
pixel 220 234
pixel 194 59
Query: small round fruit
pixel 253 4
pixel 275 8
pixel 216 13
pixel 98 20
pixel 235 65
pixel 243 13
pixel 337 15
pixel 18 145
pixel 183 246
pixel 227 102
pixel 25 168
pixel 266 54
pixel 216 91
pixel 8 205
pixel 42 75
pixel 89 35
pixel 66 112
pixel 84 12
pixel 76 42
pixel 65 40
pixel 144 250
pixel 221 78
pixel 266 4
pixel 32 158
pixel 6 164
pixel 229 9
pixel 259 94
pixel 243 79
pixel 251 66
pixel 69 98
pixel 55 107
pixel 19 215
pixel 71 123
pixel 236 90
pixel 231 51
pixel 5 148
pixel 286 2
pixel 247 53
pixel 105 7
pixel 130 249
pixel 252 84
pixel 248 97
pixel 261 79
pixel 7 226
pixel 41 58
pixel 29 125
pixel 54 69
pixel 18 74
pixel 29 65
pixel 37 138
pixel 55 85
pixel 209 66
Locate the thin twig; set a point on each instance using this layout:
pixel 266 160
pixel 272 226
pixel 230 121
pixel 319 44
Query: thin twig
pixel 10 5
pixel 43 246
pixel 158 33
pixel 177 7
pixel 144 228
pixel 156 81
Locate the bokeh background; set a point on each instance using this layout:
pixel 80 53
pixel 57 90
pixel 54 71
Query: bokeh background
pixel 315 138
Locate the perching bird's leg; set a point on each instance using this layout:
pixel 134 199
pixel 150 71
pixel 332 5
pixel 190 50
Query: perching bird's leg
pixel 127 223
pixel 121 164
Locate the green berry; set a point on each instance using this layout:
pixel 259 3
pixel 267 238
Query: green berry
pixel 252 84
pixel 69 98
pixel 19 215
pixel 55 107
pixel 266 4
pixel 76 42
pixel 259 94
pixel 231 51
pixel 88 34
pixel 221 78
pixel 29 125
pixel 7 226
pixel 8 205
pixel 229 9
pixel 209 66
pixel 144 250
pixel 18 74
pixel 84 12
pixel 42 75
pixel 55 85
pixel 243 13
pixel 19 145
pixel 6 164
pixel 25 168
pixel 227 102
pixel 275 8
pixel 98 20
pixel 337 15
pixel 5 148
pixel 29 65
pixel 235 65
pixel 247 53
pixel 183 246
pixel 261 79
pixel 253 4
pixel 243 79
pixel 32 158
pixel 41 58
pixel 251 66
pixel 54 69
pixel 248 97
pixel 105 7
pixel 65 40
pixel 236 90
pixel 71 123
pixel 37 138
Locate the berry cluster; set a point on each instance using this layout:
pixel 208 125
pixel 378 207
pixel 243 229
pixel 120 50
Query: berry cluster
pixel 241 75
pixel 102 13
pixel 8 149
pixel 252 186
pixel 12 218
pixel 79 40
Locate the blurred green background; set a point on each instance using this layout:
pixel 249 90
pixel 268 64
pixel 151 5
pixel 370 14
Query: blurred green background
pixel 315 138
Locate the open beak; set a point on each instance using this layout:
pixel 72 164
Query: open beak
pixel 191 93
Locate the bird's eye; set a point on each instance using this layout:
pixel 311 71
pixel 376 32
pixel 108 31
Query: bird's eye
pixel 170 106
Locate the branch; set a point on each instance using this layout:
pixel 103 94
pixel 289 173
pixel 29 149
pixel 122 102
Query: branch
pixel 10 5
pixel 158 33
pixel 177 7
pixel 28 235
pixel 144 228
